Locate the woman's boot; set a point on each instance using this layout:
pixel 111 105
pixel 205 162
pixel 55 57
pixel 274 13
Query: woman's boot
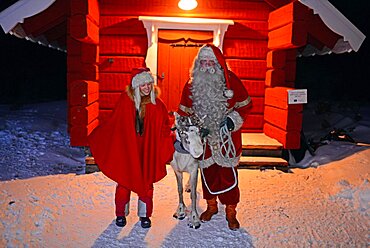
pixel 211 210
pixel 231 217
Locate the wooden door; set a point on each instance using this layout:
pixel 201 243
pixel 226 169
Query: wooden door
pixel 176 52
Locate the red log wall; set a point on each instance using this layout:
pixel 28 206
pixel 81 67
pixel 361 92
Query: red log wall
pixel 123 40
pixel 82 70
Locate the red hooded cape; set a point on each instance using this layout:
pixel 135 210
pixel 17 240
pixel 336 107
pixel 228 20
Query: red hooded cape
pixel 116 150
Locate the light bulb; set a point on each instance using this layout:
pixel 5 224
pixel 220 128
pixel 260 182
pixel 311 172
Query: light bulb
pixel 187 4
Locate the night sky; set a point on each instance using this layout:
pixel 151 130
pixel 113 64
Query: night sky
pixel 340 76
pixel 34 73
pixel 30 72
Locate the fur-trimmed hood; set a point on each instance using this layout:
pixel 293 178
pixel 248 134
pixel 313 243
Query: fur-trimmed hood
pixel 144 99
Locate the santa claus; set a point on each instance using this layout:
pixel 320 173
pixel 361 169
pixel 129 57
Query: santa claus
pixel 217 95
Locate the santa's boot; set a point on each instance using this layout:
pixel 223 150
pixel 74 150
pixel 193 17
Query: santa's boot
pixel 211 210
pixel 231 217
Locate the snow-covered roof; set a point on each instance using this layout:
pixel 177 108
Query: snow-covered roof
pixel 11 17
pixel 20 10
pixel 338 23
pixel 14 15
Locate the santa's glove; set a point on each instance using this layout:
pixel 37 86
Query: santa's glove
pixel 203 132
pixel 228 123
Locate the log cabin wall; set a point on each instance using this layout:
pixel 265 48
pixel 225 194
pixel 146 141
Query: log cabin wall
pixel 82 69
pixel 123 45
pixel 287 32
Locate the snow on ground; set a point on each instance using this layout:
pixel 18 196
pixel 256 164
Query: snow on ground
pixel 47 201
pixel 34 141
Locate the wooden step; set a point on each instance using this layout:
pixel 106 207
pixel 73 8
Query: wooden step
pixel 90 166
pixel 259 141
pixel 262 153
pixel 262 162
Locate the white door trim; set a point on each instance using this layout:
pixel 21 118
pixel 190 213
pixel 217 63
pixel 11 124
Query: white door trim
pixel 152 24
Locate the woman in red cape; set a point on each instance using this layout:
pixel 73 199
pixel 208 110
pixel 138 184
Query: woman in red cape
pixel 134 145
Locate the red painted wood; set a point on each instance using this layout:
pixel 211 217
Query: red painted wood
pixel 74 63
pixel 287 14
pixel 258 105
pixel 90 72
pixel 79 133
pixel 278 97
pixel 289 140
pixel 114 81
pixel 108 100
pixel 82 115
pixel 291 54
pixel 72 76
pixel 120 63
pixel 290 71
pixel 52 16
pixel 86 72
pixel 289 36
pixel 290 84
pixel 288 120
pixel 275 77
pixel 277 3
pixel 321 33
pixel 248 69
pixel 276 59
pixel 244 29
pixel 253 122
pixel 220 9
pixel 73 47
pixel 255 87
pixel 246 130
pixel 121 25
pixel 54 32
pixel 123 45
pixel 174 62
pixel 83 7
pixel 246 49
pixel 84 29
pixel 83 93
pixel 89 53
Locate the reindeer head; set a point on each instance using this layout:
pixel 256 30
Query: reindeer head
pixel 187 132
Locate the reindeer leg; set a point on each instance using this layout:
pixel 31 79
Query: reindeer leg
pixel 180 212
pixel 194 221
pixel 188 186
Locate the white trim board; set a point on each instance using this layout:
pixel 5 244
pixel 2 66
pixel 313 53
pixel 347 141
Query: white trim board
pixel 152 24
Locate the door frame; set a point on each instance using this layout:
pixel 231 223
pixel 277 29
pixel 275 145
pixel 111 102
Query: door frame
pixel 153 23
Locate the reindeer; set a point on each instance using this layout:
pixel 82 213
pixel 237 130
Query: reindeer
pixel 188 147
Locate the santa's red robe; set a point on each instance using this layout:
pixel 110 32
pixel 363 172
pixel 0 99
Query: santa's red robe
pixel 217 176
pixel 240 102
pixel 116 150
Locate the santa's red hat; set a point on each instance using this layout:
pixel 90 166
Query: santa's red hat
pixel 210 51
pixel 141 76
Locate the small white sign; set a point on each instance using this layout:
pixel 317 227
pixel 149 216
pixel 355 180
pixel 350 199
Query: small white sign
pixel 297 96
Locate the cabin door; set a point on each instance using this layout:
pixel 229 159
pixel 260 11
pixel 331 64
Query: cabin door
pixel 176 52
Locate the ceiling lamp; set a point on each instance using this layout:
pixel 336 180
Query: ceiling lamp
pixel 187 4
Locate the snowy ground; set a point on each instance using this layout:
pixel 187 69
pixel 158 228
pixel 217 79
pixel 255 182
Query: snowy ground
pixel 47 201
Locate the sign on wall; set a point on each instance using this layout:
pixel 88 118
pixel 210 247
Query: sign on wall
pixel 297 96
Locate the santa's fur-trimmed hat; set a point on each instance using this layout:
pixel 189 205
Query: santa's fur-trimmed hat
pixel 141 76
pixel 211 52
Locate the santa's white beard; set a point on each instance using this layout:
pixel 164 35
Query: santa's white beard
pixel 209 100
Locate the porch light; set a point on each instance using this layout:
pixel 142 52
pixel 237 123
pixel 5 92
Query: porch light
pixel 187 4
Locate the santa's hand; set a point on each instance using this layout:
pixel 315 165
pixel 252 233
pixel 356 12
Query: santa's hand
pixel 203 132
pixel 228 123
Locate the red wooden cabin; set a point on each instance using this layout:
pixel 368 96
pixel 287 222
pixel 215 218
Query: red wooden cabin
pixel 260 39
